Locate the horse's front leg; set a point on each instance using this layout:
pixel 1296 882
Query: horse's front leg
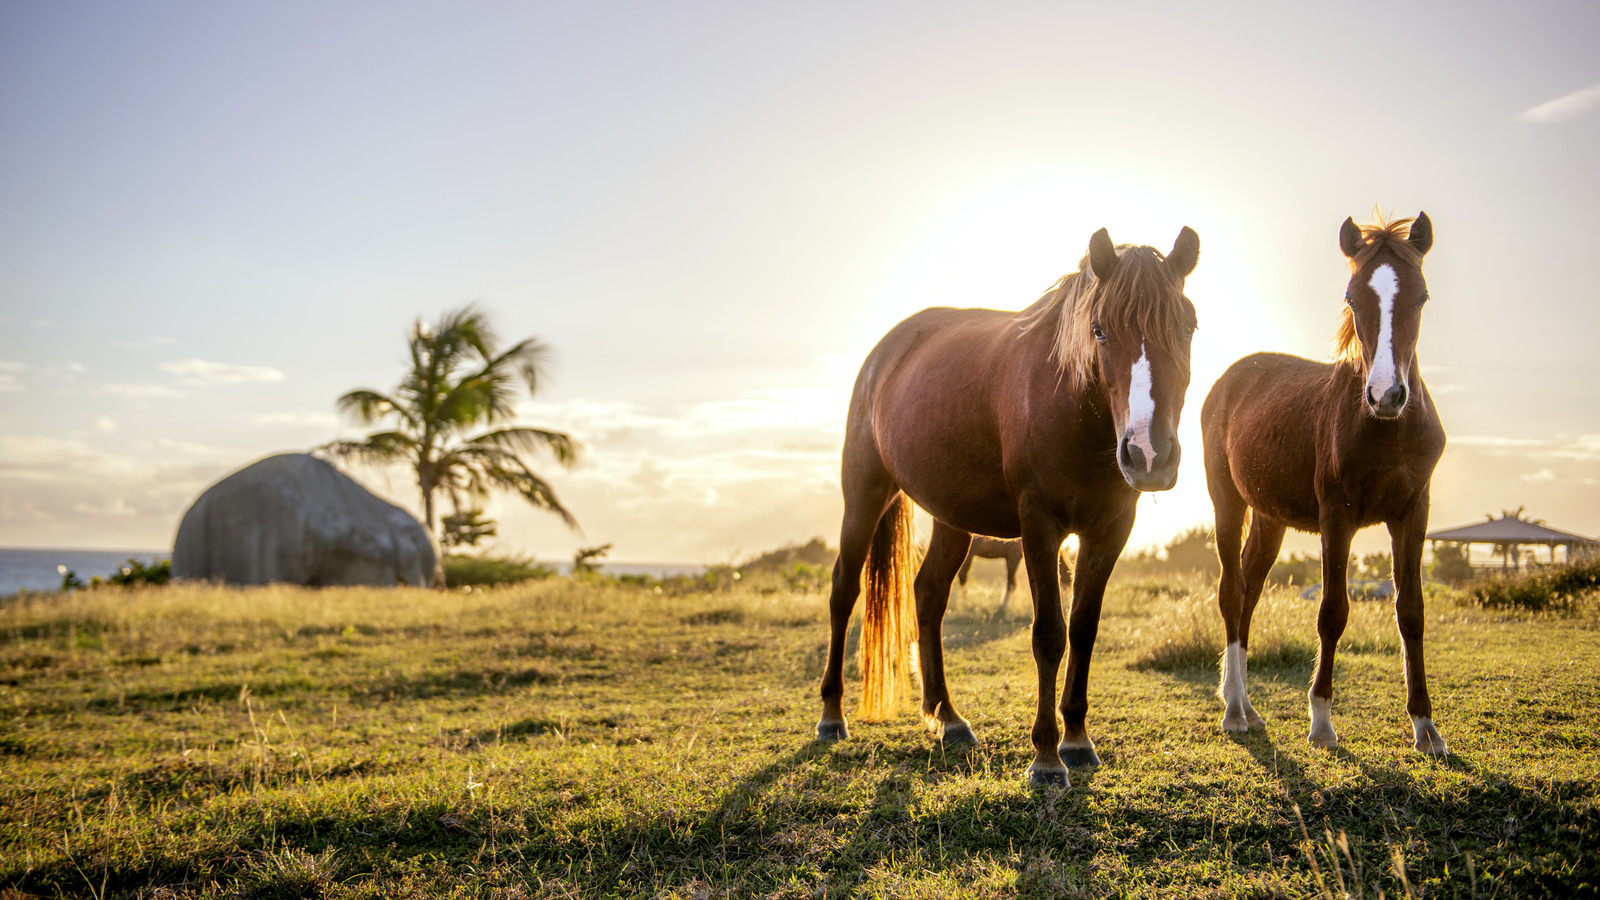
pixel 1332 615
pixel 1097 554
pixel 1406 538
pixel 1041 540
pixel 947 549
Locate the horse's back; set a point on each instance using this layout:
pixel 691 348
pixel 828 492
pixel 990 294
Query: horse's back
pixel 925 406
pixel 1260 433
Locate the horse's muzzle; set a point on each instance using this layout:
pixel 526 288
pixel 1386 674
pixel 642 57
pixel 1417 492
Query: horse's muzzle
pixel 1390 404
pixel 1142 474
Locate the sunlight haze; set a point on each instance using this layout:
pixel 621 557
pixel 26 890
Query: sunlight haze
pixel 216 219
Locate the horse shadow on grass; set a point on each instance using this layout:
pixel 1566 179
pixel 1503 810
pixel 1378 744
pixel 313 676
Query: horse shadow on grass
pixel 805 805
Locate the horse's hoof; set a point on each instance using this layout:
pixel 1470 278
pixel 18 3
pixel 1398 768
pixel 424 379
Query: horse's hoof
pixel 1324 741
pixel 1041 777
pixel 1079 757
pixel 957 734
pixel 832 731
pixel 1429 742
pixel 1235 724
pixel 1254 719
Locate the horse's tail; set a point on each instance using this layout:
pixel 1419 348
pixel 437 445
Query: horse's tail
pixel 889 620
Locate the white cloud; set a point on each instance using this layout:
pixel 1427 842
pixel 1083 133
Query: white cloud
pixel 138 391
pixel 146 343
pixel 296 417
pixel 104 423
pixel 9 383
pixel 76 368
pixel 63 492
pixel 1563 108
pixel 1468 440
pixel 186 448
pixel 1542 475
pixel 199 371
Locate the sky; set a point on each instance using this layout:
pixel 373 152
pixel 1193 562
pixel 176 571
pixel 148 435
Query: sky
pixel 217 218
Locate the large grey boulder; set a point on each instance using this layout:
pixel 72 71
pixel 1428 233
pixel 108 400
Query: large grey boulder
pixel 296 519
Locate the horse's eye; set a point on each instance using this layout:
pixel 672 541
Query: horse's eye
pixel 1348 301
pixel 1423 300
pixel 1099 333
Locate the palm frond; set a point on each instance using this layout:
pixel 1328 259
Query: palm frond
pixel 381 448
pixel 481 467
pixel 368 406
pixel 562 446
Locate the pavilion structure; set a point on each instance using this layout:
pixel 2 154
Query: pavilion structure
pixel 1508 534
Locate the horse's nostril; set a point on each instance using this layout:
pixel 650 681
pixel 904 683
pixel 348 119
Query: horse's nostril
pixel 1130 455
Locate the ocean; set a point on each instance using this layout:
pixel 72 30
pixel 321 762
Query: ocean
pixel 31 569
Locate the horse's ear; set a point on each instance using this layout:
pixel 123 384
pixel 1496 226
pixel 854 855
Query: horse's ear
pixel 1422 233
pixel 1185 253
pixel 1102 255
pixel 1350 238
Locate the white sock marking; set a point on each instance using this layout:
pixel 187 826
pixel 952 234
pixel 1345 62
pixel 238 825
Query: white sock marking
pixel 1385 284
pixel 1141 408
pixel 1233 675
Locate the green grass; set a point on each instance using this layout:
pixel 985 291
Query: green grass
pixel 572 739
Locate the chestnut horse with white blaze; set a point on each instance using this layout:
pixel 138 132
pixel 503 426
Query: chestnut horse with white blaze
pixel 1036 424
pixel 1331 448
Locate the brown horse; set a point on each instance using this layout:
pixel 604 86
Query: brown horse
pixel 1331 448
pixel 985 547
pixel 1035 424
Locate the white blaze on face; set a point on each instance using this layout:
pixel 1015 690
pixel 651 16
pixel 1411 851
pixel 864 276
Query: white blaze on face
pixel 1141 408
pixel 1385 284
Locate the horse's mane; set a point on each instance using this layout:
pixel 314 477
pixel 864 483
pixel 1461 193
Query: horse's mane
pixel 1141 294
pixel 1393 235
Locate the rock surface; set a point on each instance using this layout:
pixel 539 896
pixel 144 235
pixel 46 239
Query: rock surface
pixel 296 519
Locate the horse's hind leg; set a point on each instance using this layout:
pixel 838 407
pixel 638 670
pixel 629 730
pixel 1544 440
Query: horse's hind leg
pixel 1407 537
pixel 1260 552
pixel 1013 560
pixel 863 509
pixel 947 548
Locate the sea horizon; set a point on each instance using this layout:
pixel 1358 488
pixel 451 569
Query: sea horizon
pixel 35 568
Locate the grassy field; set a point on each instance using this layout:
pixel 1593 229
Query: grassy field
pixel 569 739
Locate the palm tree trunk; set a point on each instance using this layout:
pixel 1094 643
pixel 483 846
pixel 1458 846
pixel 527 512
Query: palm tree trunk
pixel 427 525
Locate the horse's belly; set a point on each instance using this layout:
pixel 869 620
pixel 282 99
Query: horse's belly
pixel 963 491
pixel 1281 489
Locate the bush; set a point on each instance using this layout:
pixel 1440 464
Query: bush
pixel 462 570
pixel 1194 550
pixel 134 572
pixel 1450 564
pixel 1558 587
pixel 1298 571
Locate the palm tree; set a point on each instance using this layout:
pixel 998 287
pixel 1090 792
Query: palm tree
pixel 459 380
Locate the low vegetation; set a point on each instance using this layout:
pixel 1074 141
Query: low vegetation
pixel 469 570
pixel 592 738
pixel 1544 587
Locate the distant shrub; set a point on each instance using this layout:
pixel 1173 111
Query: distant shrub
pixel 1557 587
pixel 462 570
pixel 1194 550
pixel 1450 564
pixel 133 572
pixel 815 552
pixel 1297 570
